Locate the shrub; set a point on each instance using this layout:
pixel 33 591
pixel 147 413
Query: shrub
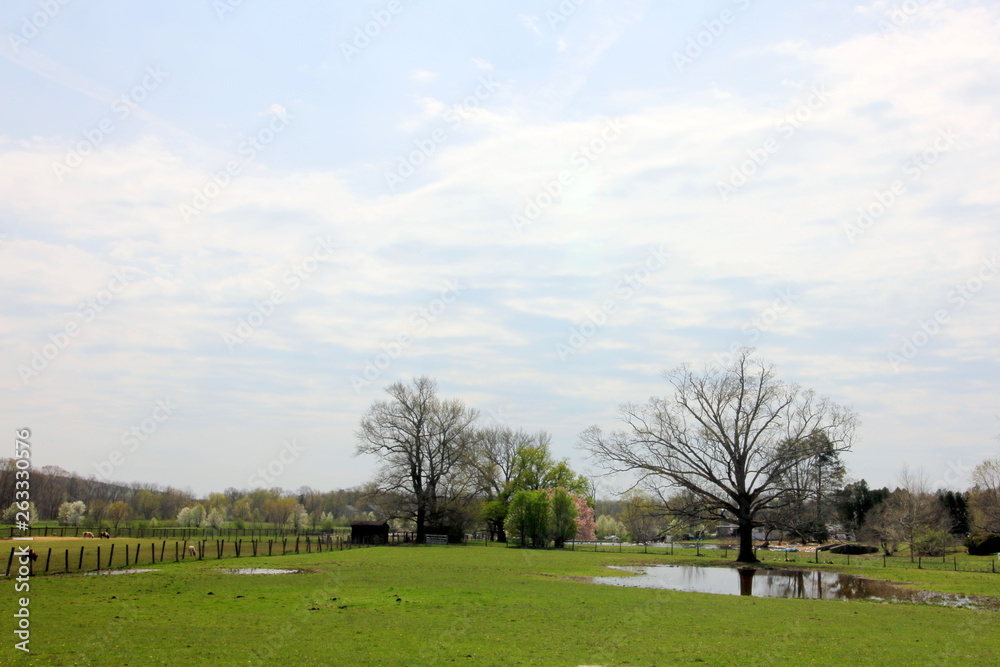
pixel 983 544
pixel 931 542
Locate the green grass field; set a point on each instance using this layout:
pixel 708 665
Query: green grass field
pixel 475 606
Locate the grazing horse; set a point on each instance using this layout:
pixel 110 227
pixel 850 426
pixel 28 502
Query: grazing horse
pixel 104 535
pixel 88 534
pixel 192 550
pixel 32 555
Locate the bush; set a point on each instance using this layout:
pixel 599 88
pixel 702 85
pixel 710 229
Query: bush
pixel 983 545
pixel 931 542
pixel 853 549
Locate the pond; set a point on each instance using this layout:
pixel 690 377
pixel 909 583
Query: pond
pixel 761 582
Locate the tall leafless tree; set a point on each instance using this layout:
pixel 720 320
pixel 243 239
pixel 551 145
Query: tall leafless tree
pixel 729 436
pixel 423 443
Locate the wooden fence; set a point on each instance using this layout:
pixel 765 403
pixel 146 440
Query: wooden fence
pixel 93 559
pixel 169 532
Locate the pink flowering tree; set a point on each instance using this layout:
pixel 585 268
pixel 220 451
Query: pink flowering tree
pixel 586 525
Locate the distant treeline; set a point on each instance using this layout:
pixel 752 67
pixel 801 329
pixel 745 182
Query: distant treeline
pixel 51 487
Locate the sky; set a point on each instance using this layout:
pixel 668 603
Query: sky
pixel 226 226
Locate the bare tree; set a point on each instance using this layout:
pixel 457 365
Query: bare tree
pixel 423 443
pixel 985 498
pixel 495 455
pixel 729 436
pixel 911 515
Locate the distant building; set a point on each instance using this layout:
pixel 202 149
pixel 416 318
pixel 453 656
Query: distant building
pixel 369 532
pixel 724 530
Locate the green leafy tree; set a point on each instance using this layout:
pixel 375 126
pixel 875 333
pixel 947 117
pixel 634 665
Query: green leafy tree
pixel 562 516
pixel 641 516
pixel 117 512
pixel 531 467
pixel 529 516
pixel 856 500
pixel 607 526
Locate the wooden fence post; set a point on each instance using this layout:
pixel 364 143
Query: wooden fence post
pixel 80 564
pixel 99 557
pixel 10 560
pixel 48 557
pixel 67 561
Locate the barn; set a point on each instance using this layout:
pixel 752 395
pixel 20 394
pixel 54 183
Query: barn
pixel 369 532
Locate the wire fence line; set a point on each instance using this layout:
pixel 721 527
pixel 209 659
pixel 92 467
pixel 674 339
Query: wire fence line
pixel 93 559
pixel 171 532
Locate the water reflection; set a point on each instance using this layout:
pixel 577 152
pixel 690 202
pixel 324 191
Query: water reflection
pixel 807 584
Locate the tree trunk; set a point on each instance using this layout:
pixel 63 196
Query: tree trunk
pixel 421 529
pixel 746 543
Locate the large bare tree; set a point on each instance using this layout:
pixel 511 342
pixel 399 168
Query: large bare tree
pixel 423 443
pixel 728 435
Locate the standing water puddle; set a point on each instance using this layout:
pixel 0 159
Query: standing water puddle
pixel 760 582
pixel 260 570
pixel 109 572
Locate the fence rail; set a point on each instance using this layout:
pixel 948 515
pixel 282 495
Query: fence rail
pixel 93 559
pixel 170 532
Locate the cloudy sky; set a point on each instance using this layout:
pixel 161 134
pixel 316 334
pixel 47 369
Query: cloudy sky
pixel 227 226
